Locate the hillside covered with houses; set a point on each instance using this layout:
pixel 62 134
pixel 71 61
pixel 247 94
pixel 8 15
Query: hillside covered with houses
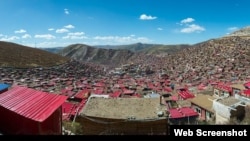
pixel 207 83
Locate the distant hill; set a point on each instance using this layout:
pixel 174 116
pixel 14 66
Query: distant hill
pixel 163 49
pixel 242 32
pixel 132 47
pixel 15 55
pixel 116 54
pixel 52 49
pixel 224 58
pixel 147 48
pixel 87 53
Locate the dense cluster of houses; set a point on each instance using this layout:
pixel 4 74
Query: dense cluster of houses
pixel 224 59
pixel 140 97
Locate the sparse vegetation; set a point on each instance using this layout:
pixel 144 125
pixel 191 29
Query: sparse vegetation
pixel 14 55
pixel 74 127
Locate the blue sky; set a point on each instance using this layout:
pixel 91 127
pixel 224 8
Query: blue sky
pixel 53 23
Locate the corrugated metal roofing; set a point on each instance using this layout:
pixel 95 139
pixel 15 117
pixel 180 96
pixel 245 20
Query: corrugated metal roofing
pixel 30 103
pixel 82 94
pixel 186 94
pixel 174 113
pixel 247 84
pixel 187 111
pixel 3 87
pixel 182 112
pixel 246 92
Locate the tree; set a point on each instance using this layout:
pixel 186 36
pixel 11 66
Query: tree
pixel 246 119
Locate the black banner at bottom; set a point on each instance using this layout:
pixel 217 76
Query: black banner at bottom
pixel 209 130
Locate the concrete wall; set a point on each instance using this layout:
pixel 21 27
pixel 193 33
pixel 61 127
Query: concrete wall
pixel 220 119
pixel 242 98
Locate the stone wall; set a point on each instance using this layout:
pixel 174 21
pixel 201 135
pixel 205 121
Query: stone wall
pixel 102 126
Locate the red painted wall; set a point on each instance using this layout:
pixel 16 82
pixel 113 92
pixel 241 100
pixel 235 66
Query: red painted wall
pixel 203 114
pixel 14 124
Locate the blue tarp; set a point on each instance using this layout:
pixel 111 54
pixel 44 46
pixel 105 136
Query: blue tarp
pixel 3 86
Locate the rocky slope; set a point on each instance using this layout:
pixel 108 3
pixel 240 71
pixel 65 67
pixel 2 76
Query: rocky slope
pixel 87 53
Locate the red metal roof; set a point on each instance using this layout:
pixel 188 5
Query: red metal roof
pixel 115 94
pixel 68 110
pixel 224 87
pixel 119 86
pixel 82 94
pixel 182 112
pixel 187 111
pixel 174 113
pixel 30 103
pixel 128 91
pixel 67 107
pixel 246 92
pixel 167 89
pixel 185 94
pixel 174 98
pixel 98 91
pixel 247 84
pixel 201 86
pixel 99 84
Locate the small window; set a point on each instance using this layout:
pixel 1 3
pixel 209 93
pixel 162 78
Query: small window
pixel 198 110
pixel 216 92
pixel 209 115
pixel 236 91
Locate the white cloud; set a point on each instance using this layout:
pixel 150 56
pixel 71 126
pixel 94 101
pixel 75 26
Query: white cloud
pixel 25 36
pixel 122 40
pixel 62 30
pixel 192 28
pixel 66 11
pixel 6 38
pixel 20 31
pixel 147 17
pixel 51 29
pixel 159 28
pixel 69 26
pixel 45 36
pixel 187 20
pixel 232 28
pixel 49 44
pixel 75 35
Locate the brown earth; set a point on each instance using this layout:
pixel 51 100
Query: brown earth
pixel 19 56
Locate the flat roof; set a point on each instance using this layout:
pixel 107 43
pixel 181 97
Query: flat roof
pixel 229 101
pixel 204 101
pixel 238 86
pixel 123 108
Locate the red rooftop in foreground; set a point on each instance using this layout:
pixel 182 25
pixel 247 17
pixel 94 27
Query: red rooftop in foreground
pixel 31 112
